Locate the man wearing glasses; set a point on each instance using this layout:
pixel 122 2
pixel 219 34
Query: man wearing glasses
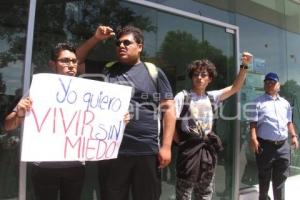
pixel 137 168
pixel 53 179
pixel 270 124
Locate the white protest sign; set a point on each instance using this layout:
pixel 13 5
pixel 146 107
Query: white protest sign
pixel 74 119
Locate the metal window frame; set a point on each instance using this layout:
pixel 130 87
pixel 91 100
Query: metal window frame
pixel 26 85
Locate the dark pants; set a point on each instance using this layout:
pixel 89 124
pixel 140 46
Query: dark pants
pixel 49 182
pixel 139 175
pixel 273 164
pixel 202 190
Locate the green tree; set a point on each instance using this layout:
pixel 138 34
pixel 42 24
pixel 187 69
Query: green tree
pixel 63 20
pixel 290 90
pixel 179 48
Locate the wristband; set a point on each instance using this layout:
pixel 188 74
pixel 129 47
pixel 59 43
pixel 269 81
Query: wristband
pixel 294 136
pixel 20 116
pixel 243 66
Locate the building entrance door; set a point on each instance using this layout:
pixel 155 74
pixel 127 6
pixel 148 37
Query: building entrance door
pixel 173 38
pixel 180 37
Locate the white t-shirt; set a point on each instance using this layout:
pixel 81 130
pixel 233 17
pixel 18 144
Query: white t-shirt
pixel 200 109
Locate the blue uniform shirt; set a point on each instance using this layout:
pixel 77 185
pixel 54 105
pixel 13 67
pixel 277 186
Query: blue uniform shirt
pixel 272 117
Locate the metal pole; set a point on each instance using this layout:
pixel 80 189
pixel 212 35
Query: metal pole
pixel 26 85
pixel 236 166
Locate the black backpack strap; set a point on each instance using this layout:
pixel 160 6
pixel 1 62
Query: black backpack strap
pixel 187 100
pixel 186 103
pixel 214 109
pixel 212 103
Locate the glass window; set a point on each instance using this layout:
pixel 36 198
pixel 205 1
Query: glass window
pixel 267 44
pixel 171 42
pixel 268 29
pixel 13 20
pixel 179 41
pixel 274 49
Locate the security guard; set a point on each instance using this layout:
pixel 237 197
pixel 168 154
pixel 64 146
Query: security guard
pixel 270 123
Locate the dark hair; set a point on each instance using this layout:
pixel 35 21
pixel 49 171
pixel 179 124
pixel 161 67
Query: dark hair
pixel 136 32
pixel 203 64
pixel 61 47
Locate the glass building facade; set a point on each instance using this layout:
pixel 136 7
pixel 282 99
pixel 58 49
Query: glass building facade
pixel 176 32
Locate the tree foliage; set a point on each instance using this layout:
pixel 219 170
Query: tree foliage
pixel 290 90
pixel 58 21
pixel 180 48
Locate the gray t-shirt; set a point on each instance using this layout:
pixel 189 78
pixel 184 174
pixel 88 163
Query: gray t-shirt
pixel 200 110
pixel 141 136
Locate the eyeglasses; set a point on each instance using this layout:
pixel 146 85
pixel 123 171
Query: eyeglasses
pixel 270 82
pixel 201 74
pixel 67 61
pixel 124 42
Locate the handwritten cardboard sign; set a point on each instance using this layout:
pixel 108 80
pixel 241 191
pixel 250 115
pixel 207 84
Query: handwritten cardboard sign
pixel 74 119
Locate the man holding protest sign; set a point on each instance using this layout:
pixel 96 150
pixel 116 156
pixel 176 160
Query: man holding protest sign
pixel 53 178
pixel 137 168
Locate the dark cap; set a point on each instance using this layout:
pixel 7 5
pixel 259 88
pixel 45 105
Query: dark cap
pixel 272 76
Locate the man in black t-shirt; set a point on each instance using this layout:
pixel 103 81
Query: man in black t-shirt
pixel 137 168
